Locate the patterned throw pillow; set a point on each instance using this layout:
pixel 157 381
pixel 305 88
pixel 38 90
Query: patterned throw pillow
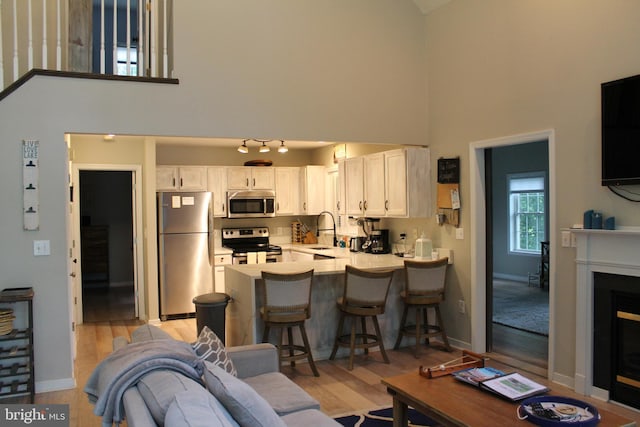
pixel 209 347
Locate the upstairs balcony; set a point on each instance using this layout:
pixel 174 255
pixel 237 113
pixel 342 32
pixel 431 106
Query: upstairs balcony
pixel 97 37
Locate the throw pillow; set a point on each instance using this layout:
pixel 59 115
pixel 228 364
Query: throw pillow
pixel 210 348
pixel 187 411
pixel 245 405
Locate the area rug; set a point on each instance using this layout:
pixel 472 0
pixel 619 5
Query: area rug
pixel 384 418
pixel 519 306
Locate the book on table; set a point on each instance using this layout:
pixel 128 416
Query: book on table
pixel 513 386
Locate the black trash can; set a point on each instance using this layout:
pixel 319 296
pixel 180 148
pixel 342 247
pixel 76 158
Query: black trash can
pixel 210 310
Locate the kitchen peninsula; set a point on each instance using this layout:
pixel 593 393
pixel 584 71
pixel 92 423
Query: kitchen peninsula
pixel 243 283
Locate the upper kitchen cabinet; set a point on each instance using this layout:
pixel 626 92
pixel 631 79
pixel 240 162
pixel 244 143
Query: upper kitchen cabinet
pixel 217 184
pixel 393 183
pixel 287 190
pixel 341 192
pixel 374 185
pixel 250 178
pixel 312 182
pixel 354 185
pixel 407 182
pixel 181 178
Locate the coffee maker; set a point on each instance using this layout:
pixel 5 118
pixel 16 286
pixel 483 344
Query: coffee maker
pixel 377 241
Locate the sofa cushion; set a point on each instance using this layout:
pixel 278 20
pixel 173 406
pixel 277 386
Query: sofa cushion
pixel 309 418
pixel 282 394
pixel 158 389
pixel 246 406
pixel 187 411
pixel 210 348
pixel 149 333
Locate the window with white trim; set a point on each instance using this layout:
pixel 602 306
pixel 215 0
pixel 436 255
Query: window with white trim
pixel 526 212
pixel 126 57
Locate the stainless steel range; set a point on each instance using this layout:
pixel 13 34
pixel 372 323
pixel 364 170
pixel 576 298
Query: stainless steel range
pixel 254 240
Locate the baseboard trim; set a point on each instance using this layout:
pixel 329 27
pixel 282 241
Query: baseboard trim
pixel 55 385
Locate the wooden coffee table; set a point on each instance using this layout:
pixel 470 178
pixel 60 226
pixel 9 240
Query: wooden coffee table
pixel 453 403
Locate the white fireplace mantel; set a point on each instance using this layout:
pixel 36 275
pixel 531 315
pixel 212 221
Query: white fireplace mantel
pixel 605 251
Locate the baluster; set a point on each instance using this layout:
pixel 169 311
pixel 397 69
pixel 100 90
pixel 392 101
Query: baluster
pixel 58 38
pixel 29 37
pixel 141 14
pixel 15 42
pixel 1 60
pixel 153 41
pixel 44 34
pixel 102 52
pixel 128 37
pixel 114 69
pixel 165 51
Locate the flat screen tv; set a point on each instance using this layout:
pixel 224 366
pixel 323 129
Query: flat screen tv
pixel 621 132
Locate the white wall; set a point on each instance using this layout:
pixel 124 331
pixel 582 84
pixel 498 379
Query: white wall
pixel 498 68
pixel 330 70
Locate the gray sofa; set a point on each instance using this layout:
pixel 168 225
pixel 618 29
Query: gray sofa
pixel 258 396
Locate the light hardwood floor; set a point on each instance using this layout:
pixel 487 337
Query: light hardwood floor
pixel 338 390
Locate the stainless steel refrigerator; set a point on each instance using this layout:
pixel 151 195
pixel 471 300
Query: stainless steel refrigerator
pixel 185 250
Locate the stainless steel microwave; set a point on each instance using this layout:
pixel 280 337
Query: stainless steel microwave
pixel 251 204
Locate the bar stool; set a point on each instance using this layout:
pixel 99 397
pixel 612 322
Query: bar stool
pixel 365 295
pixel 287 303
pixel 424 289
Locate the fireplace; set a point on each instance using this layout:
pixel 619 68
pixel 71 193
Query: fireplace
pixel 616 332
pixel 608 283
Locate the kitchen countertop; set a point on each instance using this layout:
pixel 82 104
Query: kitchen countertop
pixel 342 257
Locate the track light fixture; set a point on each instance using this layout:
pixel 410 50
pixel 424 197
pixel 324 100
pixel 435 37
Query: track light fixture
pixel 283 148
pixel 243 148
pixel 264 148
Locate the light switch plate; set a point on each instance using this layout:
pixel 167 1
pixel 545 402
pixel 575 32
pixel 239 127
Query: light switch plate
pixel 41 247
pixel 460 233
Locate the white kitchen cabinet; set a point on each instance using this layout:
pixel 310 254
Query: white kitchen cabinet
pixel 407 182
pixel 250 178
pixel 217 184
pixel 219 262
pixel 181 178
pixel 341 192
pixel 374 189
pixel 312 181
pixel 354 185
pixel 287 187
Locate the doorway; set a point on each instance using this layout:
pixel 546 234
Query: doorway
pixel 481 226
pixel 517 235
pixel 107 220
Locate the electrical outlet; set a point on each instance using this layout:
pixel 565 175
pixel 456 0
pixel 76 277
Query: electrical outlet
pixel 461 307
pixel 566 239
pixel 414 233
pixel 460 233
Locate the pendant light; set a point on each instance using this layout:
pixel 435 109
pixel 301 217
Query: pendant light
pixel 264 148
pixel 283 148
pixel 243 148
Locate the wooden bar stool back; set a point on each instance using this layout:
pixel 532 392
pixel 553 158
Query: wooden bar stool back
pixel 287 304
pixel 365 295
pixel 425 283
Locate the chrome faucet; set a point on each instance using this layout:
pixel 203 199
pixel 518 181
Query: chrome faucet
pixel 318 229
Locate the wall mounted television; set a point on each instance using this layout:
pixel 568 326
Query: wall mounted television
pixel 621 132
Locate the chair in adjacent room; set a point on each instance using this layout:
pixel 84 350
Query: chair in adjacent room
pixel 287 304
pixel 425 283
pixel 365 295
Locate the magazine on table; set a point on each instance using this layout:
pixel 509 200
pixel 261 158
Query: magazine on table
pixel 475 376
pixel 512 386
